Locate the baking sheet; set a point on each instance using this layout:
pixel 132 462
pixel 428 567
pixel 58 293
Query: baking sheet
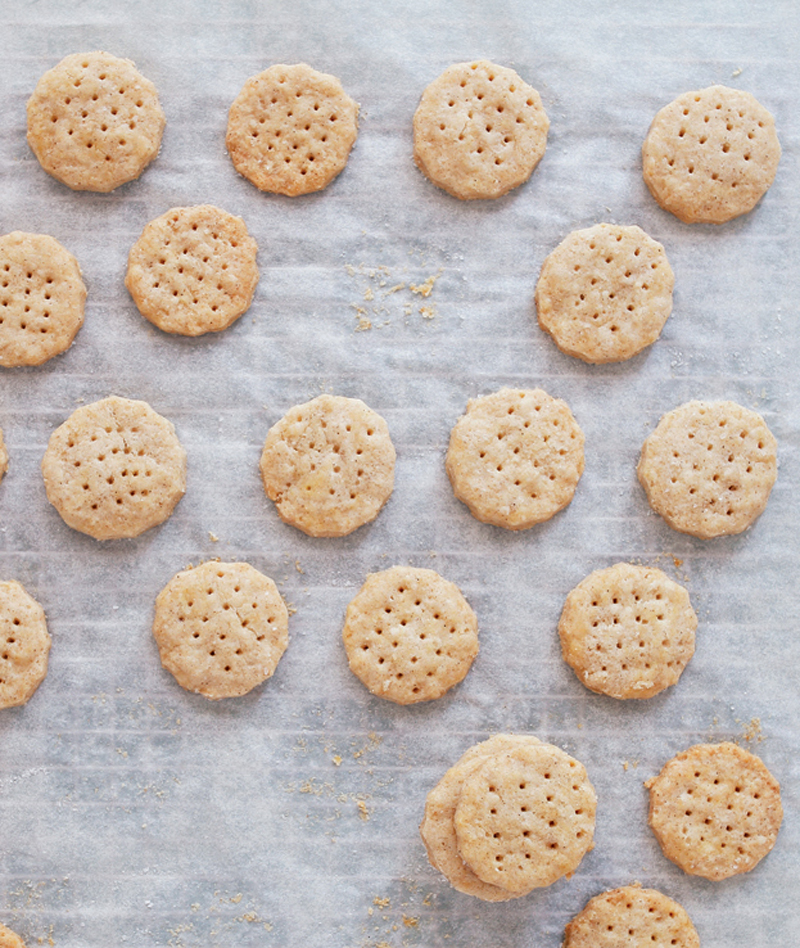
pixel 133 812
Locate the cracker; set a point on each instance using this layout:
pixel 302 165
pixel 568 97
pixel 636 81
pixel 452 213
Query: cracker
pixel 193 270
pixel 9 939
pixel 708 468
pixel 631 917
pixel 627 631
pixel 410 635
pixel 329 465
pixel 290 129
pixel 94 122
pixel 605 293
pixel 525 817
pixel 42 298
pixel 715 810
pixel 114 469
pixel 515 457
pixel 221 628
pixel 438 830
pixel 711 155
pixel 479 130
pixel 24 645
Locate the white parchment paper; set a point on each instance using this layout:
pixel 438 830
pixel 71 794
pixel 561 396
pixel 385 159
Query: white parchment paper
pixel 134 813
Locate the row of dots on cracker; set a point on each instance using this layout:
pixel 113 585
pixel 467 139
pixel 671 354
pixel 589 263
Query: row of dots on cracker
pixel 94 123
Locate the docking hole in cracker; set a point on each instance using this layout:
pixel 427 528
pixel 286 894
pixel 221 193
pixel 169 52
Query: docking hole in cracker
pixel 515 457
pixel 711 155
pixel 114 469
pixel 708 468
pixel 290 129
pixel 221 628
pixel 715 810
pixel 94 122
pixel 605 293
pixel 410 635
pixel 193 270
pixel 24 645
pixel 627 631
pixel 631 917
pixel 479 130
pixel 328 465
pixel 42 298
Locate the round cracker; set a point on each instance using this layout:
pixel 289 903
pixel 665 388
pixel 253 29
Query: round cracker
pixel 42 298
pixel 479 130
pixel 631 917
pixel 221 628
pixel 708 468
pixel 711 155
pixel 24 645
pixel 515 457
pixel 715 810
pixel 94 122
pixel 410 635
pixel 328 465
pixel 525 818
pixel 193 270
pixel 290 129
pixel 114 469
pixel 627 631
pixel 605 293
pixel 9 939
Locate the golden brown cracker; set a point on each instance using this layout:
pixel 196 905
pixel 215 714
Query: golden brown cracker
pixel 24 645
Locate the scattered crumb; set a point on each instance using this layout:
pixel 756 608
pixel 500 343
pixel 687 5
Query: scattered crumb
pixel 678 563
pixel 213 537
pixel 336 760
pixel 425 289
pixel 381 903
pixel 368 294
pixel 428 312
pixel 736 72
pixel 363 810
pixel 410 922
pixel 752 731
pixel 298 567
pixel 236 899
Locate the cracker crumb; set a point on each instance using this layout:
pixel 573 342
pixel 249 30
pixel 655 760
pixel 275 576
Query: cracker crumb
pixel 428 312
pixel 336 760
pixel 382 902
pixel 213 537
pixel 425 289
pixel 363 810
pixel 410 922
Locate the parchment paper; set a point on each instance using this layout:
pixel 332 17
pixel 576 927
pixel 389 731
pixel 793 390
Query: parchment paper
pixel 134 813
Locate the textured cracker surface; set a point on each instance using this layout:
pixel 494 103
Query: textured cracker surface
pixel 42 298
pixel 193 270
pixel 708 468
pixel 290 129
pixel 605 293
pixel 9 939
pixel 94 122
pixel 329 465
pixel 410 635
pixel 715 810
pixel 525 818
pixel 627 631
pixel 710 155
pixel 114 469
pixel 438 830
pixel 515 457
pixel 221 628
pixel 479 130
pixel 24 645
pixel 631 917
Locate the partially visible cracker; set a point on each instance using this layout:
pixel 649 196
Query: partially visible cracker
pixel 515 457
pixel 114 469
pixel 708 468
pixel 525 817
pixel 627 631
pixel 9 939
pixel 479 130
pixel 605 293
pixel 290 129
pixel 42 298
pixel 711 155
pixel 329 465
pixel 631 917
pixel 24 645
pixel 221 628
pixel 410 635
pixel 193 270
pixel 715 810
pixel 94 122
